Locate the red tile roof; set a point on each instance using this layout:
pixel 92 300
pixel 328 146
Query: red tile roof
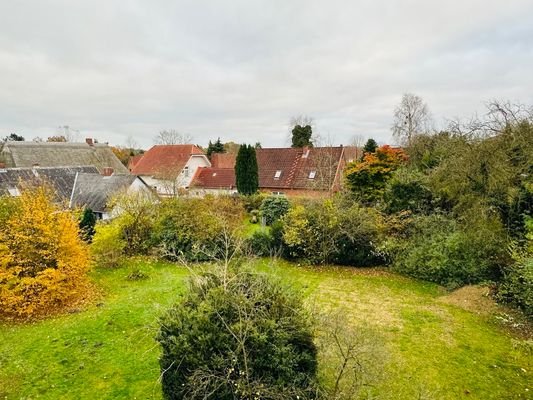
pixel 285 168
pixel 165 159
pixel 214 178
pixel 223 160
pixel 134 161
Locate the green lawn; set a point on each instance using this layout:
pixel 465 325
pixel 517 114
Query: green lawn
pixel 433 349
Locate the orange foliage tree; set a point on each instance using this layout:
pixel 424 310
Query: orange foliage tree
pixel 43 261
pixel 368 177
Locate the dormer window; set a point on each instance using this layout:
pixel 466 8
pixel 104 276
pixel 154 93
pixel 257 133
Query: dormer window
pixel 312 174
pixel 277 174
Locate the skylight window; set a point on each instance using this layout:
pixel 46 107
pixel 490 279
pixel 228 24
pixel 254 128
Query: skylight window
pixel 312 174
pixel 277 174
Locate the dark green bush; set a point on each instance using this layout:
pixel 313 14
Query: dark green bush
pixel 237 335
pixel 261 244
pixel 442 250
pixel 407 190
pixel 273 208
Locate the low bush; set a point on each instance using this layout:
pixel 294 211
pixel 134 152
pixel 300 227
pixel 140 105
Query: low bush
pixel 273 208
pixel 108 244
pixel 261 244
pixel 237 335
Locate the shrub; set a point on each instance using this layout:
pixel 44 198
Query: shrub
pixel 43 262
pixel 516 287
pixel 442 250
pixel 135 215
pixel 237 335
pixel 274 207
pixel 197 229
pixel 252 201
pixel 407 190
pixel 108 245
pixel 87 223
pixel 328 231
pixel 261 244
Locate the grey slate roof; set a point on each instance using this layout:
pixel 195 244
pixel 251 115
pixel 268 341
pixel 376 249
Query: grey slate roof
pixel 57 154
pixel 60 179
pixel 93 191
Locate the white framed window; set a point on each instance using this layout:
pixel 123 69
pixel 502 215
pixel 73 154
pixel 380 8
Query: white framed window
pixel 277 174
pixel 312 174
pixel 186 171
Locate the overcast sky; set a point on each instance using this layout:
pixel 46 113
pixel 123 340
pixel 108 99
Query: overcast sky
pixel 241 69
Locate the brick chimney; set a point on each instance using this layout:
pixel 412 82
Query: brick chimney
pixel 108 171
pixel 89 141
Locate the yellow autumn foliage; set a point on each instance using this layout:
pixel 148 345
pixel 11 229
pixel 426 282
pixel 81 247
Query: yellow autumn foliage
pixel 43 262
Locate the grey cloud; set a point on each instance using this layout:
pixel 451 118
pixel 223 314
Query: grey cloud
pixel 241 69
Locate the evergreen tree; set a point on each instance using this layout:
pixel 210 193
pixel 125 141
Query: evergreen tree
pixel 370 146
pixel 217 147
pixel 301 136
pixel 87 223
pixel 14 138
pixel 246 171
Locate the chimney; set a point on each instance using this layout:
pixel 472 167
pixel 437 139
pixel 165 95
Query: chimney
pixel 89 141
pixel 108 171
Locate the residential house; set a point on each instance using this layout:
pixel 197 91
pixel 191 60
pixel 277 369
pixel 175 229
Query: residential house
pixel 170 168
pixel 60 154
pixel 308 171
pixel 95 191
pixel 73 186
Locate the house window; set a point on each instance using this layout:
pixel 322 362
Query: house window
pixel 277 174
pixel 312 174
pixel 186 171
pixel 278 193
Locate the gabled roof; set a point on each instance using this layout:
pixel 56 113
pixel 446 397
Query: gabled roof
pixel 61 179
pixel 58 154
pixel 134 160
pixel 163 160
pixel 214 178
pixel 94 191
pixel 315 168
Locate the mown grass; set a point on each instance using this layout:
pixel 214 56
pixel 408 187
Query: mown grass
pixel 433 349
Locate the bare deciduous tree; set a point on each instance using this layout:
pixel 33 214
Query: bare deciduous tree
pixel 358 142
pixel 172 136
pixel 411 117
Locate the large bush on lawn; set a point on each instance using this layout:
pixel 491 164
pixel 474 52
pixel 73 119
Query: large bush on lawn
pixel 237 335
